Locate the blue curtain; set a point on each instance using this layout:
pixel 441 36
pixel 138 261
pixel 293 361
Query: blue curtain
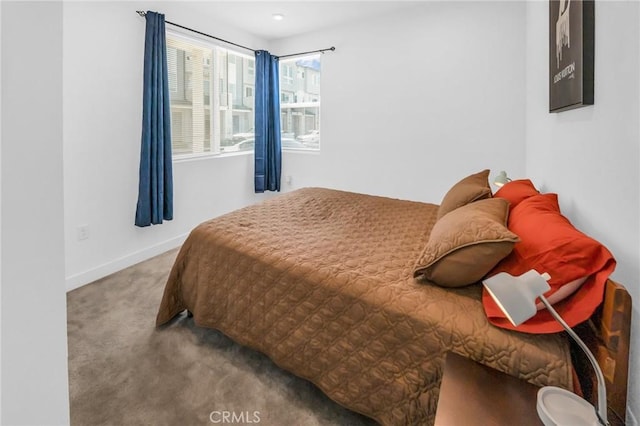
pixel 155 191
pixel 268 152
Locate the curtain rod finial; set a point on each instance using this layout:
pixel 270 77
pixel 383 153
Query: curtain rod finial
pixel 141 12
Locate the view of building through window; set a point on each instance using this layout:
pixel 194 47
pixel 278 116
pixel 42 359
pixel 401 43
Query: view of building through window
pixel 212 99
pixel 300 102
pixel 208 117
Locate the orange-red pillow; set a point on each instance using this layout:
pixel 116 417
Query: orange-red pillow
pixel 550 243
pixel 516 191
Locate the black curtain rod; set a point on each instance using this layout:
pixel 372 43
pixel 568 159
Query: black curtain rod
pixel 143 13
pixel 332 48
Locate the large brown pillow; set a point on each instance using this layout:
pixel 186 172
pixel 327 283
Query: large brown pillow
pixel 467 243
pixel 472 188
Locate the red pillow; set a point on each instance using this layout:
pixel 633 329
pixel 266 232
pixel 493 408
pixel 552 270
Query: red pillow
pixel 516 191
pixel 550 243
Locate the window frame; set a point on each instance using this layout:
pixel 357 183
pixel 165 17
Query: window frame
pixel 214 48
pixel 214 90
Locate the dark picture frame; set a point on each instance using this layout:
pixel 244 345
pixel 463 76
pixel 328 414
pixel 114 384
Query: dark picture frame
pixel 571 51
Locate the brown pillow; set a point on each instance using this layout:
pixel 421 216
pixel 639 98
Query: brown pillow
pixel 467 243
pixel 472 188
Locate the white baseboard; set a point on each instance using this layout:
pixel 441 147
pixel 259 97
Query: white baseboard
pixel 86 277
pixel 631 419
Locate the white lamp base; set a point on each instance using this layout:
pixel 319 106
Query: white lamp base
pixel 559 407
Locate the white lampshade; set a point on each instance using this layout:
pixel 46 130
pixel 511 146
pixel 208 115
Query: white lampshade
pixel 517 299
pixel 501 179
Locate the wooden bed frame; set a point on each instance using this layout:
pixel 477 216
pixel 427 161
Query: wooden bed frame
pixel 607 334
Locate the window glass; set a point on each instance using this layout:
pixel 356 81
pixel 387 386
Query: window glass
pixel 300 102
pixel 211 90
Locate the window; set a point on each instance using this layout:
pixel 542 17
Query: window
pixel 286 74
pixel 208 117
pixel 286 97
pixel 300 102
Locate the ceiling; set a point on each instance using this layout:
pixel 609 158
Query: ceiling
pixel 300 16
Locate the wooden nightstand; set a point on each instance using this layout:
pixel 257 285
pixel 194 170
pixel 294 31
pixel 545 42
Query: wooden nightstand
pixel 472 393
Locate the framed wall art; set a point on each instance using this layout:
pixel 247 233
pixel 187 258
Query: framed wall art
pixel 571 49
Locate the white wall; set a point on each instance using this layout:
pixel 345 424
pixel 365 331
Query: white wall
pixel 0 215
pixel 103 61
pixel 414 100
pixel 590 156
pixel 33 323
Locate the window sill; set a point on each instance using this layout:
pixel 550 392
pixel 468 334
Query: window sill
pixel 188 158
pixel 301 151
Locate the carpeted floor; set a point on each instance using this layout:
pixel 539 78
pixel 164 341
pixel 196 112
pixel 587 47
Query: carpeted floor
pixel 124 371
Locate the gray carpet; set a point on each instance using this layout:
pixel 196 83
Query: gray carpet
pixel 124 371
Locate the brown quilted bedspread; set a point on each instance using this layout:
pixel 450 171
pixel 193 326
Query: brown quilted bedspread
pixel 321 281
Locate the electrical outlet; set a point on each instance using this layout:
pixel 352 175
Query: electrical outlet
pixel 288 179
pixel 83 232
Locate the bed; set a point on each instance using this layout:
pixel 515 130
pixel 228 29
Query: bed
pixel 322 282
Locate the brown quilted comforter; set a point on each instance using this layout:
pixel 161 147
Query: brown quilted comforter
pixel 321 281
